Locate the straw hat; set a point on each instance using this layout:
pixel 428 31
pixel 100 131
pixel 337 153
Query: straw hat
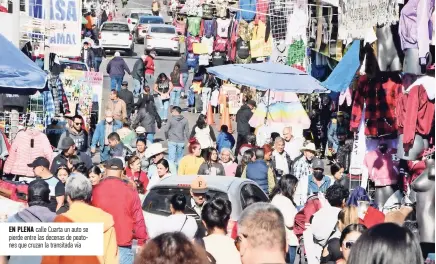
pixel 154 149
pixel 309 147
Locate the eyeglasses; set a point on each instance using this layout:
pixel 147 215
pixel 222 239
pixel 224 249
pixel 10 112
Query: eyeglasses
pixel 238 240
pixel 78 123
pixel 349 244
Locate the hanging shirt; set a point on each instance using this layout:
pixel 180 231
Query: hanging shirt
pixel 382 167
pixel 208 41
pixel 242 48
pixel 223 27
pixel 193 25
pixel 218 58
pixel 220 44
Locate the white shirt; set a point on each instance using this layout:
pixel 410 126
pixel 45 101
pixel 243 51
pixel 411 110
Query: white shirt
pixel 222 248
pixel 293 147
pixel 288 210
pixel 179 223
pixel 281 162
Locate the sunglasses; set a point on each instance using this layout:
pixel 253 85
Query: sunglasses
pixel 238 241
pixel 349 244
pixel 78 123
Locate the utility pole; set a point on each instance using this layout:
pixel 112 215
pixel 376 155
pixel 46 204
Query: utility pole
pixel 47 34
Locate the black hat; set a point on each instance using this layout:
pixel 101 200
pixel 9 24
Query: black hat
pixel 40 161
pixel 252 103
pixel 114 164
pixel 317 164
pixel 124 83
pixel 66 143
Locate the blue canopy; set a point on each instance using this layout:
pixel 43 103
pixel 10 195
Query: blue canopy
pixel 268 76
pixel 18 73
pixel 343 74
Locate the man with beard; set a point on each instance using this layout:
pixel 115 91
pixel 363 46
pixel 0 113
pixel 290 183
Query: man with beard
pixel 302 168
pixel 101 133
pixel 78 134
pixel 318 182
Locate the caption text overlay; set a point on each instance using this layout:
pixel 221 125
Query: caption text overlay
pixel 51 239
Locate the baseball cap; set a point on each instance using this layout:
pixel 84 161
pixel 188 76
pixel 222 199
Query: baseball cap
pixel 124 83
pixel 40 161
pixel 66 143
pixel 317 164
pixel 114 164
pixel 251 102
pixel 199 185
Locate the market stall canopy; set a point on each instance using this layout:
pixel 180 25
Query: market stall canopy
pixel 18 73
pixel 268 76
pixel 343 74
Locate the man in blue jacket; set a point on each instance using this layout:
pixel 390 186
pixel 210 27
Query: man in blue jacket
pixel 101 133
pixel 116 68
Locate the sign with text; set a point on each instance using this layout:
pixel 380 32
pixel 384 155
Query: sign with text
pixel 51 239
pixel 64 30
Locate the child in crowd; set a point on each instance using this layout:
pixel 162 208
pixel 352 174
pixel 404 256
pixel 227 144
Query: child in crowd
pixel 225 139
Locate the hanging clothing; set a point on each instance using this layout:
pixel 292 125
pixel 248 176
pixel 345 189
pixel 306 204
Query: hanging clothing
pixel 299 19
pixel 261 10
pixel 247 10
pixel 382 168
pixel 218 58
pixel 203 60
pixel 193 25
pixel 223 26
pixel 296 53
pixel 190 43
pixel 380 97
pixel 208 28
pixel 61 94
pixel 242 49
pixel 207 11
pixel 26 147
pixel 221 8
pixel 220 44
pixel 415 115
pixel 345 96
pixel 208 41
pixel 19 102
pixel 49 110
pixel 276 21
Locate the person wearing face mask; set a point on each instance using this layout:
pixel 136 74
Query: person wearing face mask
pixel 318 182
pixel 302 168
pixel 101 133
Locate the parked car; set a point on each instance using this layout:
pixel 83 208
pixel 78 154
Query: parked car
pixel 116 36
pixel 134 15
pixel 140 30
pixel 73 65
pixel 156 205
pixel 162 38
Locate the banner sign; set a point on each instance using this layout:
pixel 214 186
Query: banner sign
pixel 82 88
pixel 64 30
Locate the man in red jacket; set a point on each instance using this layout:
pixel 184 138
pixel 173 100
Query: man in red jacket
pixel 114 196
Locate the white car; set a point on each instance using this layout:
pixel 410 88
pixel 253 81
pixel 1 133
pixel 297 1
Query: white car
pixel 134 15
pixel 116 36
pixel 162 38
pixel 72 65
pixel 141 28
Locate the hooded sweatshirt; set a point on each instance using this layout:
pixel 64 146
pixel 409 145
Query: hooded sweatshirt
pixel 32 214
pixel 83 213
pixel 81 139
pixel 177 129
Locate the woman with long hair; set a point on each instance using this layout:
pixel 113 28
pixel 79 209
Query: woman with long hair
pixel 163 168
pixel 62 174
pixel 190 164
pixel 204 134
pixel 134 173
pixel 95 175
pixel 162 89
pixel 283 198
pixel 349 236
pixel 211 166
pixel 248 157
pixel 176 80
pixel 228 161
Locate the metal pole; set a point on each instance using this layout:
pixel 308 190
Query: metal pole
pixel 47 34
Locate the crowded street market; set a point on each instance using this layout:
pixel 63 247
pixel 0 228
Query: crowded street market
pixel 221 131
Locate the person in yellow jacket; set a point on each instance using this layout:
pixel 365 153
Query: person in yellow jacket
pixel 78 190
pixel 190 163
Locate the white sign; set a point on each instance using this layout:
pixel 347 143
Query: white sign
pixel 64 29
pixel 51 239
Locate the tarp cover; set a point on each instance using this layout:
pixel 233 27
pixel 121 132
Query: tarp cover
pixel 268 76
pixel 18 73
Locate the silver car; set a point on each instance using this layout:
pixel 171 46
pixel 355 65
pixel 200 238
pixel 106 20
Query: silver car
pixel 156 205
pixel 162 38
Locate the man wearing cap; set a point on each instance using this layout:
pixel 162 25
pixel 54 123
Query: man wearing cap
pixel 114 196
pixel 41 167
pixel 117 106
pixel 243 127
pixel 138 75
pixel 198 194
pixel 116 68
pixel 127 97
pixel 318 182
pixel 69 149
pixel 101 133
pixel 302 168
pixel 154 153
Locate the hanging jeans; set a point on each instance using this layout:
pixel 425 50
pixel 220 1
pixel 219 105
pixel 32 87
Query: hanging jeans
pixel 116 82
pixel 205 97
pixel 97 63
pixel 162 107
pixel 175 96
pixel 137 87
pixel 185 77
pixel 175 151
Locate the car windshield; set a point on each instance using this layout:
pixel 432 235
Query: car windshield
pixel 72 66
pixel 165 30
pixel 151 20
pixel 115 27
pixel 158 200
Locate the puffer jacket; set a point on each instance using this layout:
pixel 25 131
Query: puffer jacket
pixel 116 67
pixel 26 147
